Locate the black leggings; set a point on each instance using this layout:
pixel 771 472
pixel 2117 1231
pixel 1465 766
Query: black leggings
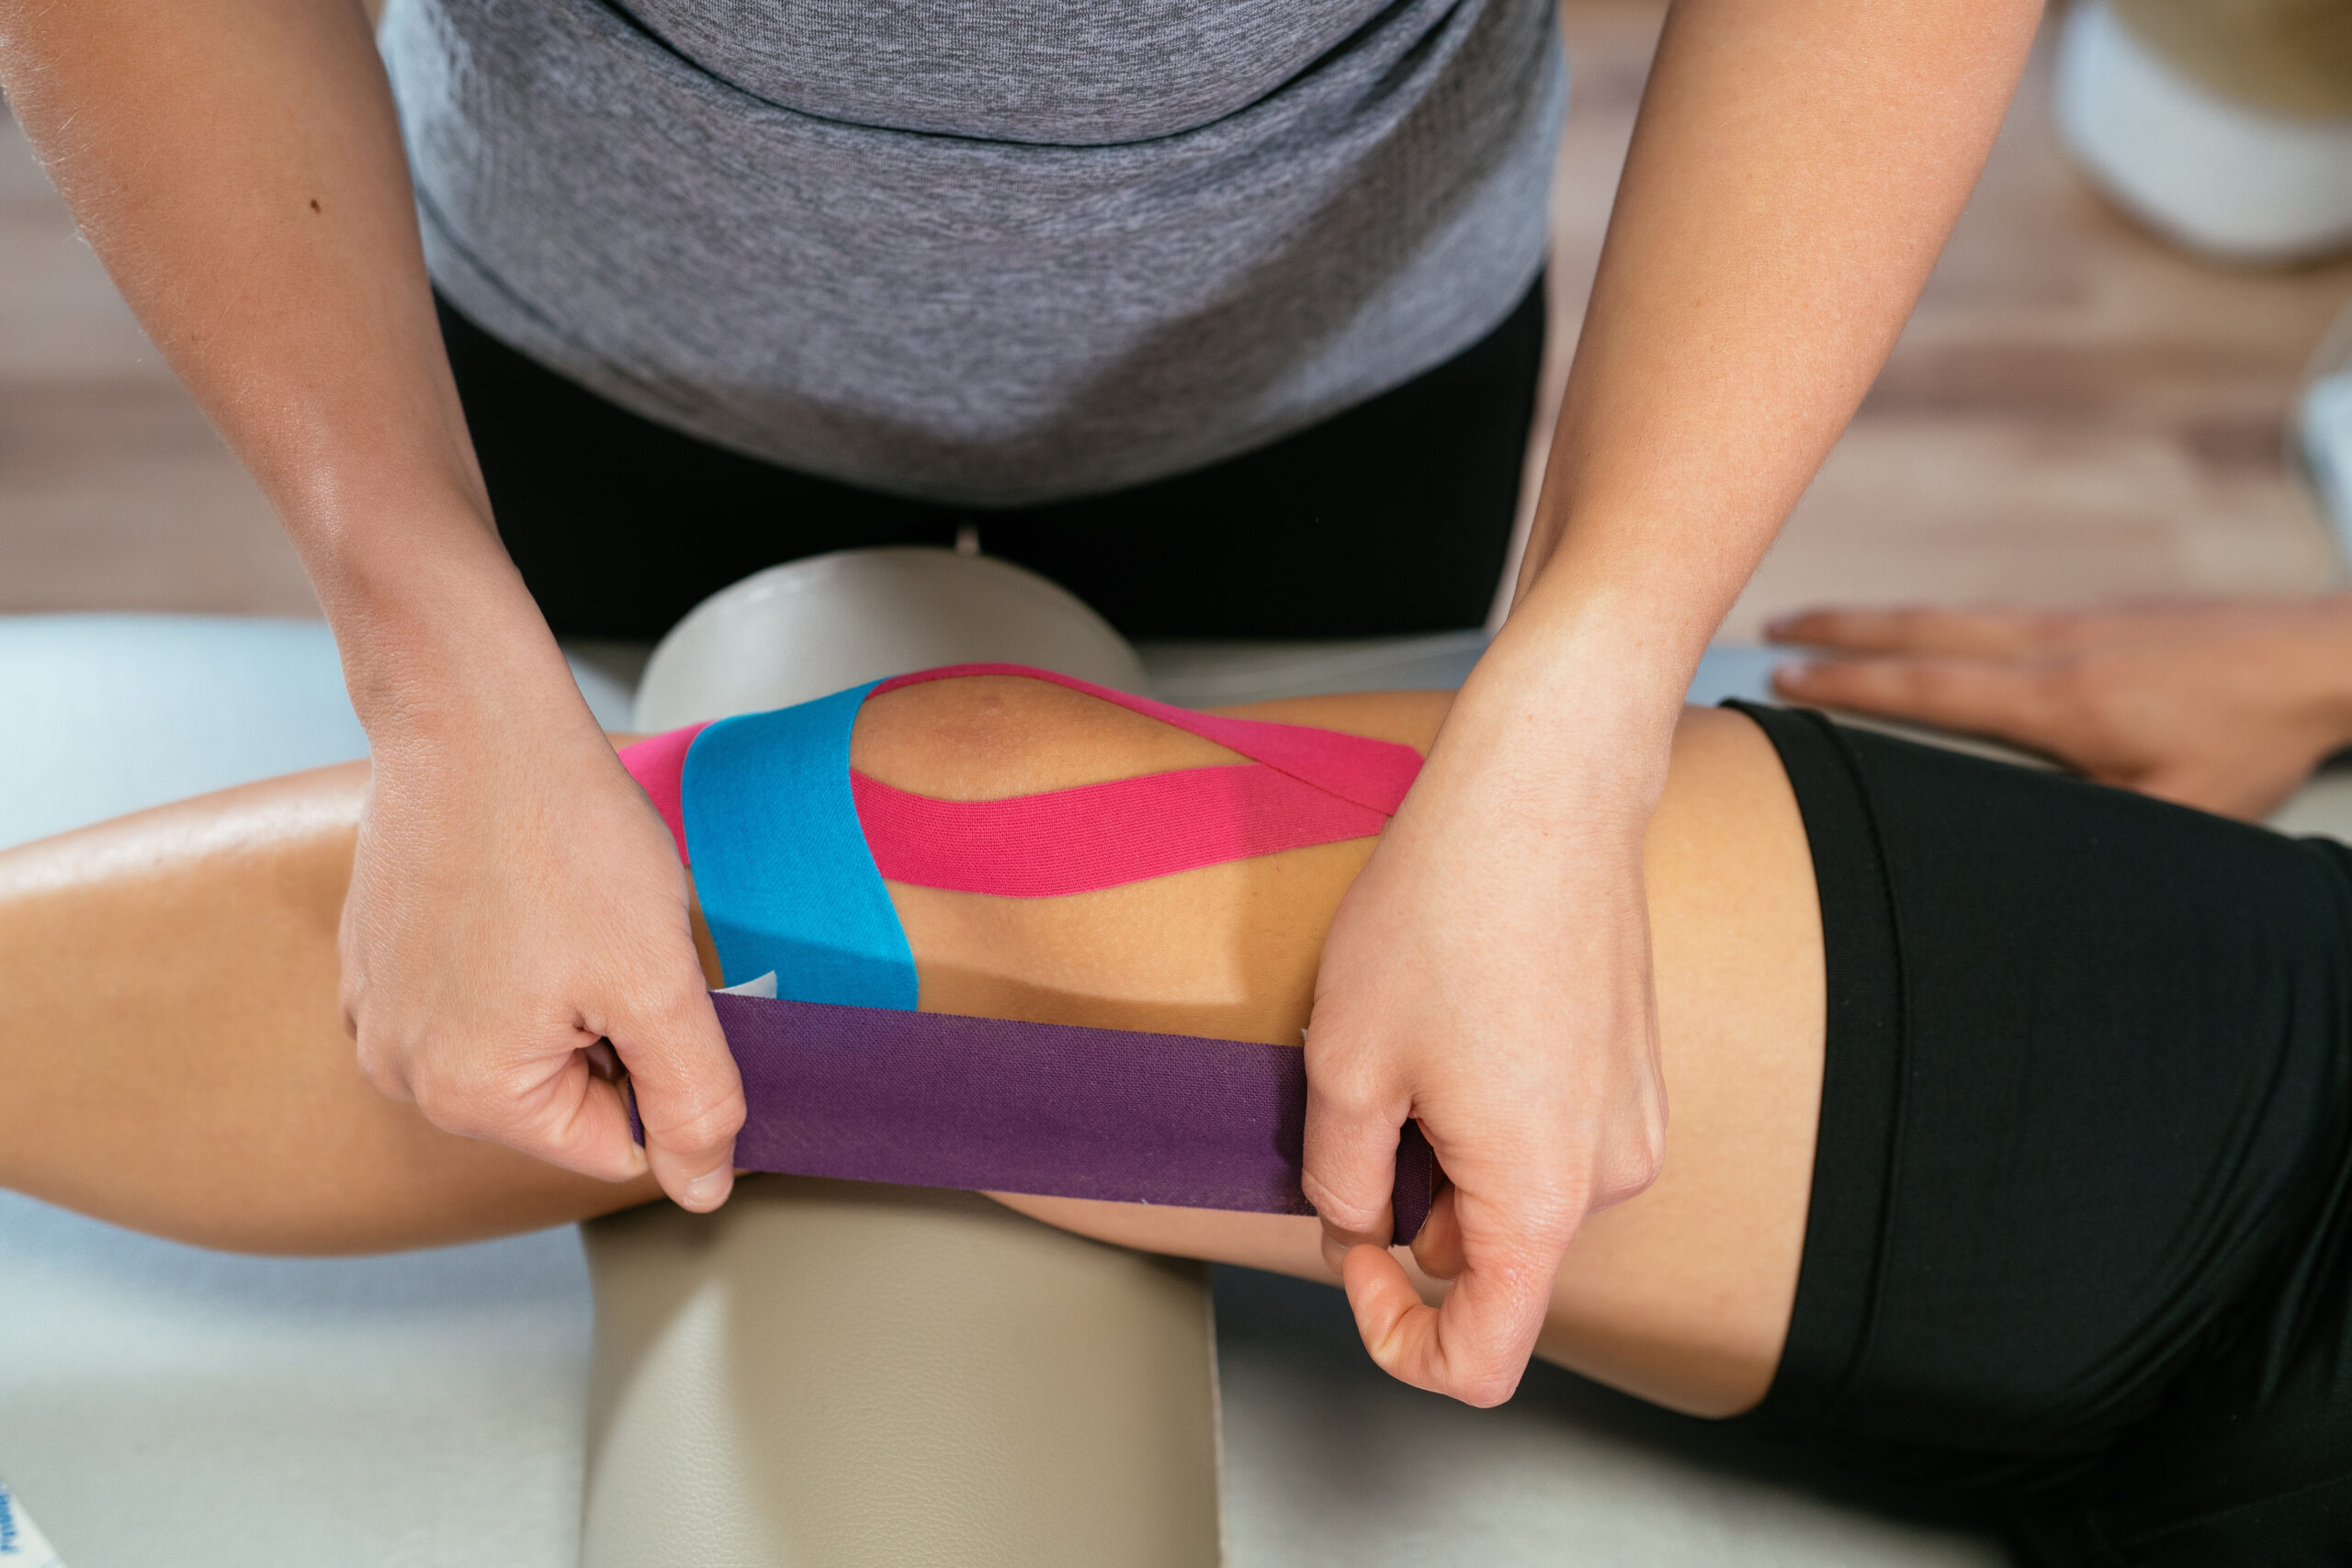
pixel 1392 517
pixel 2078 1221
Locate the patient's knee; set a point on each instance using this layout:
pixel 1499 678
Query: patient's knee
pixel 987 737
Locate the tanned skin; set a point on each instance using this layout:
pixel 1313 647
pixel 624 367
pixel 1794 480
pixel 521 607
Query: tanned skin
pixel 174 1057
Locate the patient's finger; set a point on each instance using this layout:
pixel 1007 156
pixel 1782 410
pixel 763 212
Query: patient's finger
pixel 1991 634
pixel 2008 701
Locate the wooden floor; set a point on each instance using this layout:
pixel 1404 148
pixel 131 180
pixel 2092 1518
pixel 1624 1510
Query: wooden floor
pixel 2075 412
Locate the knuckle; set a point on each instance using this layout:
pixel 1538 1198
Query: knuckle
pixel 1818 677
pixel 1530 1225
pixel 442 1105
pixel 1349 1100
pixel 707 1122
pixel 456 1096
pixel 1888 680
pixel 351 998
pixel 1938 679
pixel 1344 1080
pixel 673 1021
pixel 2068 667
pixel 1631 1163
pixel 381 1065
pixel 1481 1375
pixel 2098 681
pixel 1352 1219
pixel 1855 680
pixel 2066 685
pixel 1340 1210
pixel 676 1011
pixel 1628 1175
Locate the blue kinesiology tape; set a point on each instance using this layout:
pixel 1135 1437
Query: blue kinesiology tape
pixel 781 863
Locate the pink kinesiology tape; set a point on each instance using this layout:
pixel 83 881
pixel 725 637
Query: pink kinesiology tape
pixel 1301 787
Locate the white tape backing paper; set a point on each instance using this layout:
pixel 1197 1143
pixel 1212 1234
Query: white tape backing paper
pixel 21 1543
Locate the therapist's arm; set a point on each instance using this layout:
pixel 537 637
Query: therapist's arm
pixel 1794 170
pixel 237 167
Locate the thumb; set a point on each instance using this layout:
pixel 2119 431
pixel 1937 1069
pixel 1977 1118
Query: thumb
pixel 689 1094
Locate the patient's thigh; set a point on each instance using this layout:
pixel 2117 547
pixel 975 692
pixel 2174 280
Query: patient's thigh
pixel 172 1052
pixel 1683 1294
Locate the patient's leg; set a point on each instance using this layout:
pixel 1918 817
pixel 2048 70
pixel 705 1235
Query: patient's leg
pixel 171 1054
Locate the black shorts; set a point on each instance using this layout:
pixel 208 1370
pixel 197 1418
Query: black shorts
pixel 2078 1227
pixel 1392 517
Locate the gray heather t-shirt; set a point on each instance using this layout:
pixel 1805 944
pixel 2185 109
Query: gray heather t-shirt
pixel 984 252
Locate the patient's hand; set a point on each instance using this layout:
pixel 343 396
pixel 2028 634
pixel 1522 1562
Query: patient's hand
pixel 513 899
pixel 2227 707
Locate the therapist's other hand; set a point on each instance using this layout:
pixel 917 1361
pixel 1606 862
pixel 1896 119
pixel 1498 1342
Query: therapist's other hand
pixel 514 900
pixel 1488 974
pixel 2226 706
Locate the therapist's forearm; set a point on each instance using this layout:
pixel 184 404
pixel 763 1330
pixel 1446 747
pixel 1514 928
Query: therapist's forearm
pixel 1796 169
pixel 237 165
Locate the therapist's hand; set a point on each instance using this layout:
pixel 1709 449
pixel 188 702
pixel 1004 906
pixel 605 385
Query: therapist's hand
pixel 514 900
pixel 1793 174
pixel 1488 974
pixel 2225 706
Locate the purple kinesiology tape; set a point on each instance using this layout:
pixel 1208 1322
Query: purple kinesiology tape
pixel 843 1078
pixel 1051 1110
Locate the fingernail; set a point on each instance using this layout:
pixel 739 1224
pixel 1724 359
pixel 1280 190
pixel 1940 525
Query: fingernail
pixel 709 1190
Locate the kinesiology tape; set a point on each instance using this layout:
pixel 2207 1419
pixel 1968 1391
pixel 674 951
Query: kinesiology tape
pixel 790 848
